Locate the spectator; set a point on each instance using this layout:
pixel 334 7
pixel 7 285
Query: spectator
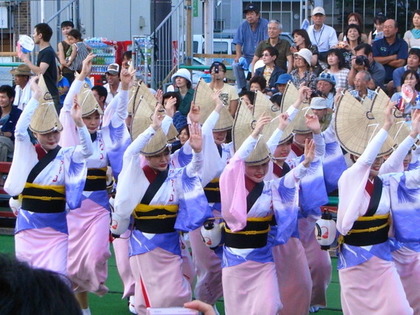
pixel 126 61
pixel 8 119
pixel 302 74
pixel 412 79
pixel 64 50
pixel 249 34
pixel 281 83
pixel 284 59
pixel 337 67
pixel 112 75
pixel 46 64
pixel 412 37
pixel 22 89
pixel 378 25
pixel 248 98
pixel 390 51
pixel 321 35
pixel 376 70
pixel 27 290
pixel 79 50
pixel 352 40
pixel 354 18
pixel 182 83
pixel 301 40
pixel 228 94
pixel 325 87
pixel 63 86
pixel 100 93
pixel 413 62
pixel 257 83
pixel 361 90
pixel 271 70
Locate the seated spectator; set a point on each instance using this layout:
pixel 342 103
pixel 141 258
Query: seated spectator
pixel 390 51
pixel 347 46
pixel 248 98
pixel 354 18
pixel 257 83
pixel 325 87
pixel 183 84
pixel 23 92
pixel 63 86
pixel 336 66
pixel 361 90
pixel 301 40
pixel 412 37
pixel 413 62
pixel 410 78
pixel 270 71
pixel 378 28
pixel 281 83
pixel 284 57
pixel 9 116
pixel 100 93
pixel 376 70
pixel 303 74
pixel 26 290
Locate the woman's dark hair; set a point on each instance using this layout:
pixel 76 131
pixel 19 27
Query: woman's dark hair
pixel 304 34
pixel 357 16
pixel 173 94
pixel 272 51
pixel 339 54
pixel 27 290
pixel 414 13
pixel 260 80
pixel 356 27
pixel 249 94
pixel 75 33
pixel 416 75
pixel 380 18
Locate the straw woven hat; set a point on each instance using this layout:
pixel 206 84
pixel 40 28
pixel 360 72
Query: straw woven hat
pixel 399 130
pixel 242 127
pixel 356 126
pixel 203 98
pixel 45 118
pixel 157 144
pixel 143 110
pixel 134 97
pixel 88 102
pixel 264 107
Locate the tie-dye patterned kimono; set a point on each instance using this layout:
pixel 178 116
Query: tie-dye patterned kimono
pixel 89 224
pixel 405 202
pixel 41 238
pixel 249 277
pixel 156 257
pixel 368 278
pixel 207 263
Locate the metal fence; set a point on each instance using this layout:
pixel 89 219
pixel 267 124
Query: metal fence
pixel 169 45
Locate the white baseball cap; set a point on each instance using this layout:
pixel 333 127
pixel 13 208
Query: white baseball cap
pixel 318 10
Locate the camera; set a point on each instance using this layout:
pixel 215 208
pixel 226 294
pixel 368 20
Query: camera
pixel 362 61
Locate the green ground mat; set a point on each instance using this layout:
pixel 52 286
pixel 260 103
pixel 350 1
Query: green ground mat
pixel 112 304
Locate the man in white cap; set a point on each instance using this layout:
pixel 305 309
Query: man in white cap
pixel 113 79
pixel 323 36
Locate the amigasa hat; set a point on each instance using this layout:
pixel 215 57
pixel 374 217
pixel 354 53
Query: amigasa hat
pixel 45 117
pixel 88 102
pixel 243 126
